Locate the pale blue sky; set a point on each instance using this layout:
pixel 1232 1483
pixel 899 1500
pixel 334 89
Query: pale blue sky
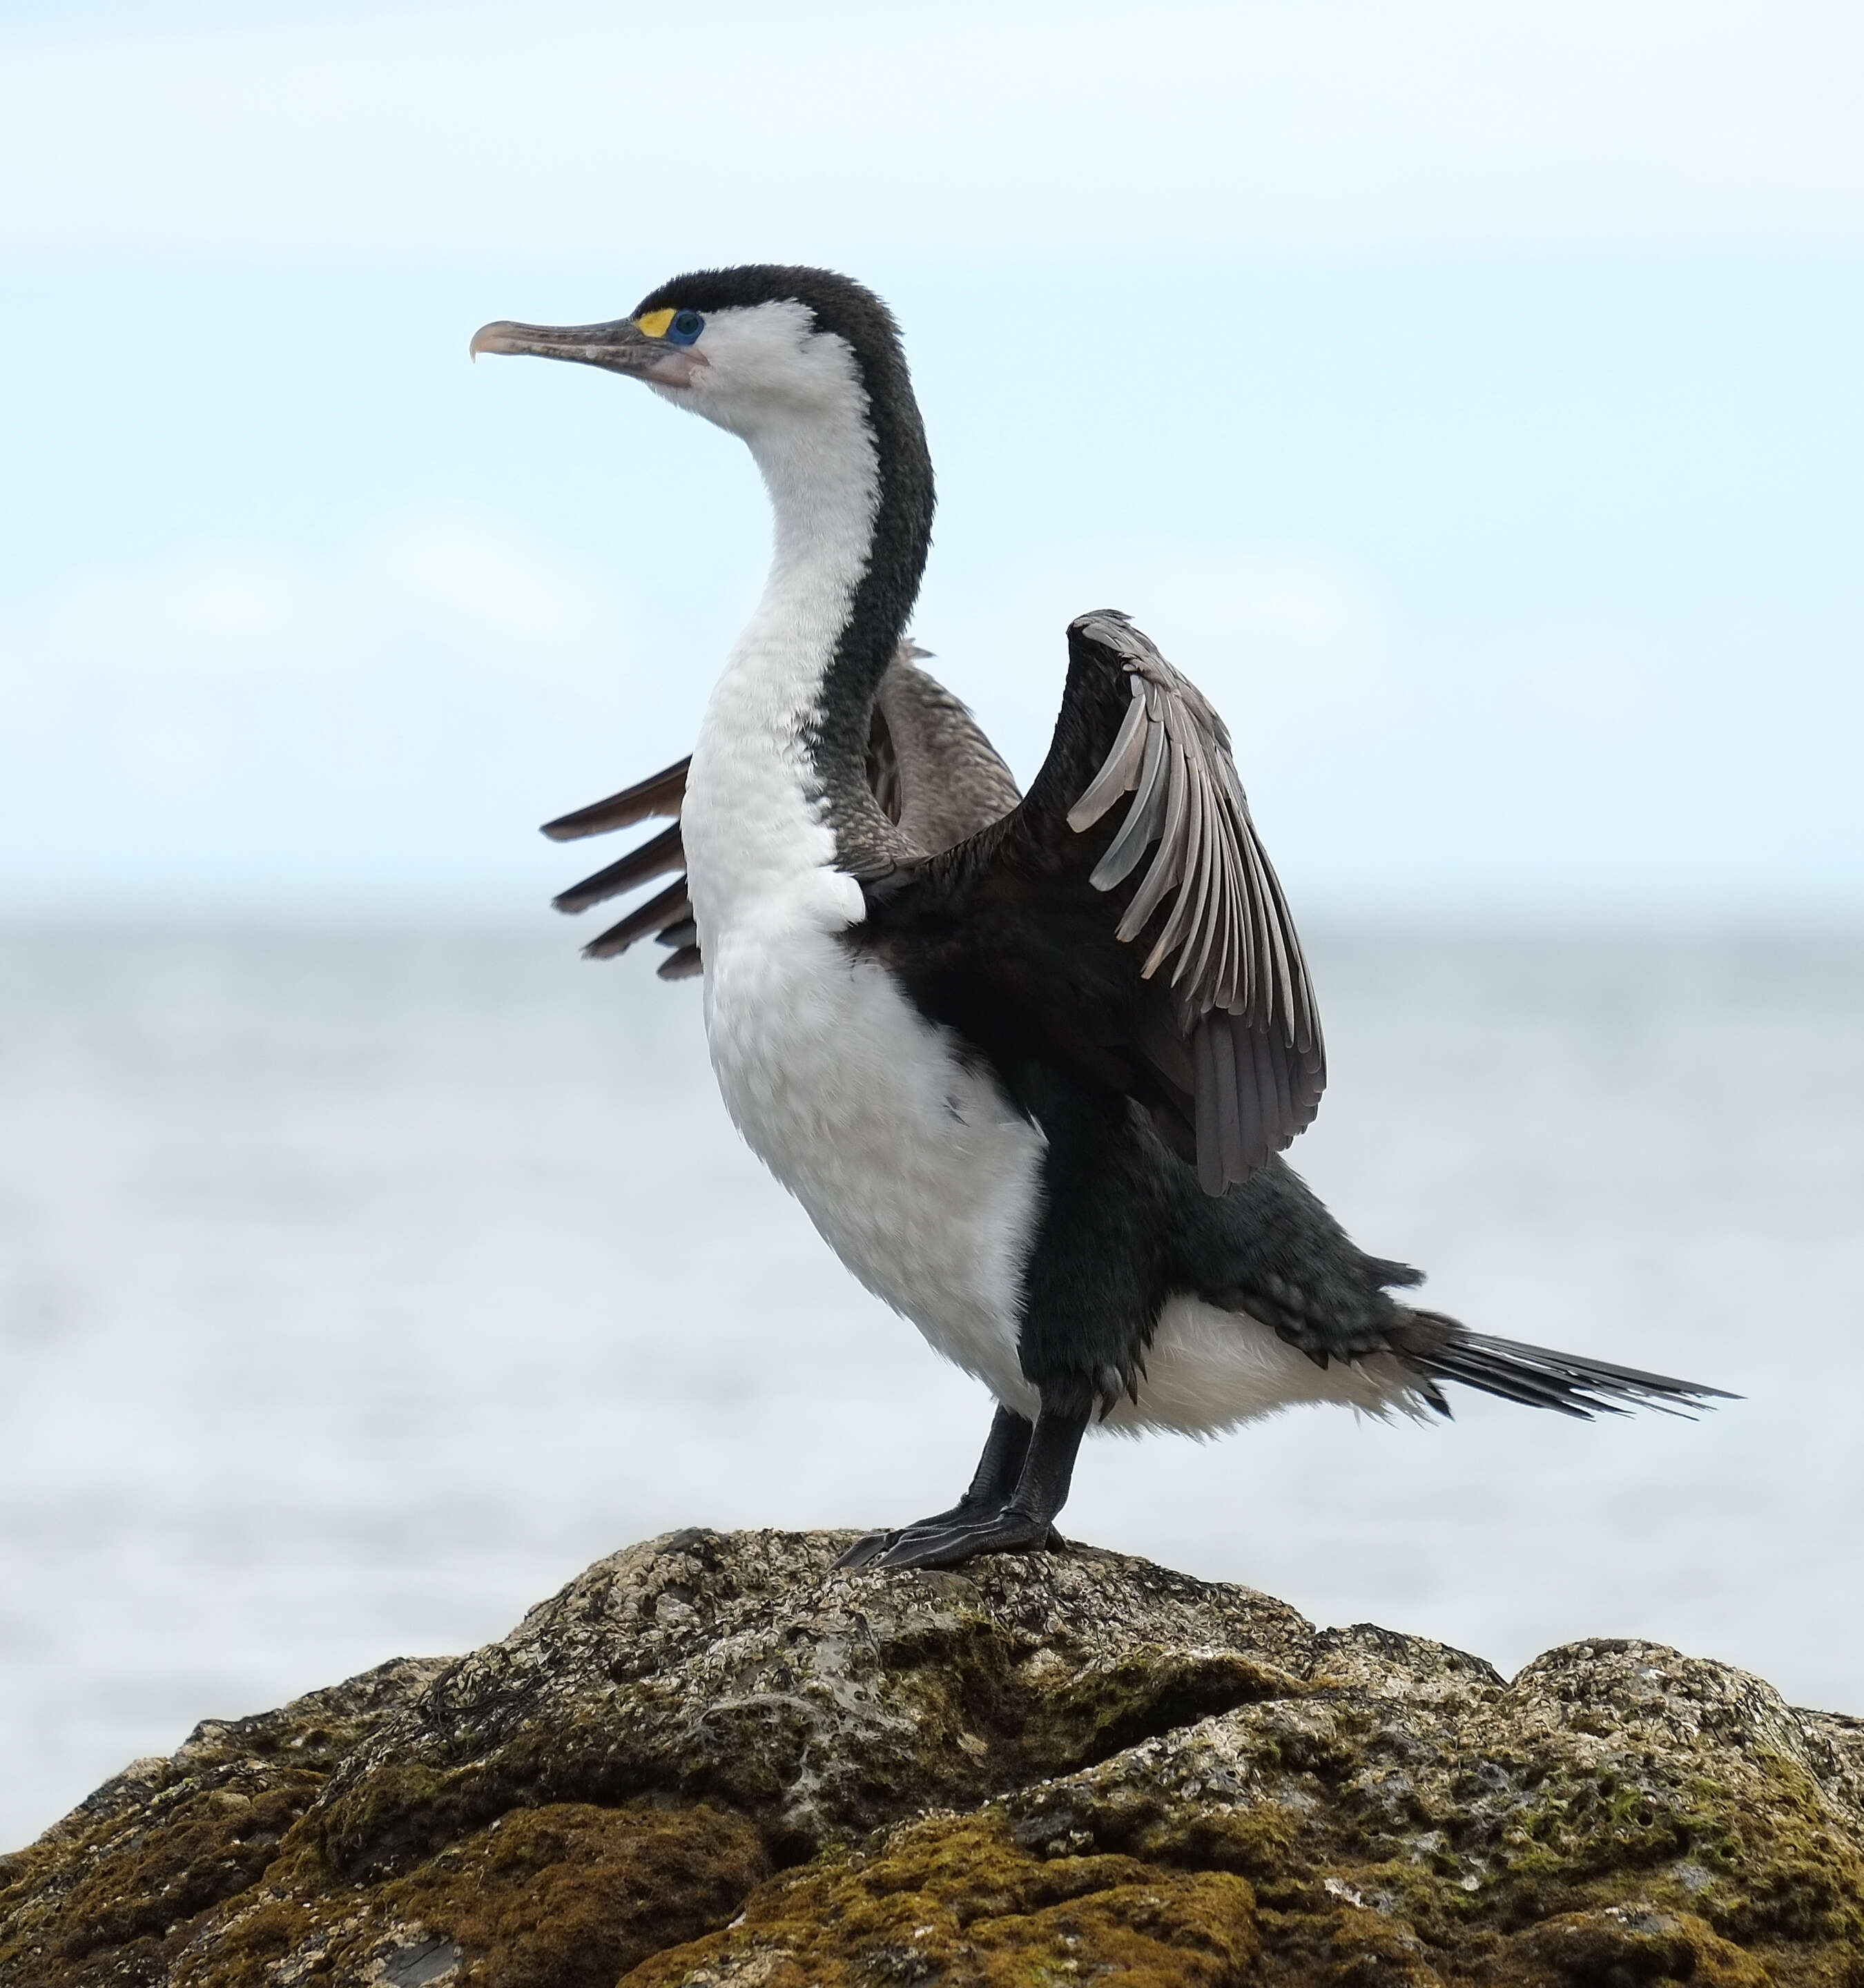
pixel 1471 402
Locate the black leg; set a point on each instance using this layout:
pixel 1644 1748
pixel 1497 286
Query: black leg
pixel 1019 1523
pixel 1001 1464
pixel 992 1483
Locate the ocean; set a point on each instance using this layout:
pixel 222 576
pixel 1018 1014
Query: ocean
pixel 357 1287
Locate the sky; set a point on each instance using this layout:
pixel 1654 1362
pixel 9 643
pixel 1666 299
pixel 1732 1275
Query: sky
pixel 1466 398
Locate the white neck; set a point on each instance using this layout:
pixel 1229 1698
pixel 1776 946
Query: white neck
pixel 753 817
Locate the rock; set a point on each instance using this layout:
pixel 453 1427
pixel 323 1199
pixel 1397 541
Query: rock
pixel 712 1762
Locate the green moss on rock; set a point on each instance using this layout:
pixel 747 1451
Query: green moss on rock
pixel 956 1900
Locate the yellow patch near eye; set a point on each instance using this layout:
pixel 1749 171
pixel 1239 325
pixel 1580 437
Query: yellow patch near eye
pixel 655 323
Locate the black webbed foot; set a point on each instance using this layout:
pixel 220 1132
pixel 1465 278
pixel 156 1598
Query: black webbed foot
pixel 954 1538
pixel 880 1548
pixel 868 1549
pixel 1021 1484
pixel 1006 1450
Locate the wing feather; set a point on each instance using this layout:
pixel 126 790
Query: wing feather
pixel 1119 774
pixel 660 794
pixel 1191 834
pixel 1208 907
pixel 1209 1155
pixel 1231 1144
pixel 1141 826
pixel 1164 871
pixel 669 907
pixel 654 858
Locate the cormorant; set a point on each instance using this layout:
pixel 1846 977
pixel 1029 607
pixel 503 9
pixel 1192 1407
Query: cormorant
pixel 1028 1062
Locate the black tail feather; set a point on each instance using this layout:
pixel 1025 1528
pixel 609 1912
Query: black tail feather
pixel 1538 1377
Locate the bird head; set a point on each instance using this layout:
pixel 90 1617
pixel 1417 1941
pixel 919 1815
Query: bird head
pixel 752 349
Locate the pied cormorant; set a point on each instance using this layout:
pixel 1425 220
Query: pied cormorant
pixel 1028 1061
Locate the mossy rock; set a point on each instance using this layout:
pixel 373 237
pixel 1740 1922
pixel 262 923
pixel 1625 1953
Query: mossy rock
pixel 714 1760
pixel 955 1899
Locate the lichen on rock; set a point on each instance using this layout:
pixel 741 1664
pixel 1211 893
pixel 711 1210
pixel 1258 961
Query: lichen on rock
pixel 715 1759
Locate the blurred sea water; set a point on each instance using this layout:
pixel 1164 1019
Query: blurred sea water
pixel 356 1288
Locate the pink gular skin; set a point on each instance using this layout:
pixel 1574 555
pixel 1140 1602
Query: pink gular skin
pixel 674 367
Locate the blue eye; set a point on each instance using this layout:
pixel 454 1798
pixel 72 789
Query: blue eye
pixel 685 327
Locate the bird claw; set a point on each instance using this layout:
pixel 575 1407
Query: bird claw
pixel 864 1551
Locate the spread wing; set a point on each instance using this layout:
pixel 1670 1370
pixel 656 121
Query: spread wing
pixel 1123 922
pixel 668 914
pixel 931 767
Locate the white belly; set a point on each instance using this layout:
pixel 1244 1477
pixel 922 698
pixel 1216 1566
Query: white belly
pixel 1208 1369
pixel 915 1169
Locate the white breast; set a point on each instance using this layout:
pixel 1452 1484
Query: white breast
pixel 916 1170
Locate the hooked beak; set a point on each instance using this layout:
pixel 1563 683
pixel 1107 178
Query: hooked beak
pixel 620 347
